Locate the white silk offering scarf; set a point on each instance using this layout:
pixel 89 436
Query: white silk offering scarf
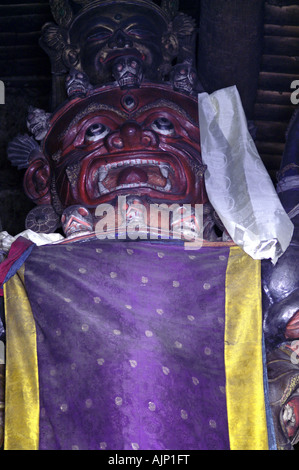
pixel 237 183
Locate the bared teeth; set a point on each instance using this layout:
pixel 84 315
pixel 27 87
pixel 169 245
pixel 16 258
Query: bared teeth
pixel 164 171
pixel 168 186
pixel 102 189
pixel 104 170
pixel 133 162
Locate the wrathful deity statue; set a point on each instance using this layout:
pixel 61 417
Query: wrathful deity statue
pixel 134 316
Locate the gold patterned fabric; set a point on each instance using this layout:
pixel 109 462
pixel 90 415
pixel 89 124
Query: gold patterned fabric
pixel 21 392
pixel 243 354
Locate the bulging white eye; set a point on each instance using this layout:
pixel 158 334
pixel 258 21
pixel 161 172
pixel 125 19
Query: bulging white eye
pixel 96 132
pixel 162 125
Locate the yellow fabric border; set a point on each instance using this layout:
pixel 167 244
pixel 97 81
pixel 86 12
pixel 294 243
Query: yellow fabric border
pixel 243 353
pixel 21 388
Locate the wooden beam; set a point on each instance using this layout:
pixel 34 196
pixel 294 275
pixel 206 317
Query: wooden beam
pixel 17 2
pixel 272 96
pixel 286 15
pixel 19 39
pixel 35 81
pixel 271 162
pixel 27 66
pixel 20 52
pixel 271 131
pixel 280 64
pixel 24 8
pixel 279 45
pixel 272 148
pixel 273 112
pixel 281 30
pixel 22 23
pixel 276 81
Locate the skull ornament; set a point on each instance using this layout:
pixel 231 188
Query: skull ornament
pixel 184 78
pixel 134 212
pixel 76 220
pixel 186 222
pixel 38 122
pixel 77 83
pixel 128 72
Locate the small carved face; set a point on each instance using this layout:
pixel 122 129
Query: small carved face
pixel 134 211
pixel 184 78
pixel 38 122
pixel 77 83
pixel 127 71
pixel 186 223
pixel 76 219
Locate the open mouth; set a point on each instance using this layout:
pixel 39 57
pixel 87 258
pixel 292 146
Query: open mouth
pixel 134 173
pixel 128 79
pixel 76 88
pixel 119 52
pixel 37 128
pixel 138 174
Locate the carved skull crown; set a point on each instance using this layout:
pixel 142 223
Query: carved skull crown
pixel 128 71
pixel 185 219
pixel 76 219
pixel 77 83
pixel 184 77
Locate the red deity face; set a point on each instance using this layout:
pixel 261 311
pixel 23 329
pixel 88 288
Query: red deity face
pixel 142 142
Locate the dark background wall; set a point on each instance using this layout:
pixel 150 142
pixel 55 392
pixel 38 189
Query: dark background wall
pixel 253 44
pixel 25 71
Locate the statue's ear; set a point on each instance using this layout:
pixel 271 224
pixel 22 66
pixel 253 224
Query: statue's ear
pixel 37 181
pixel 25 153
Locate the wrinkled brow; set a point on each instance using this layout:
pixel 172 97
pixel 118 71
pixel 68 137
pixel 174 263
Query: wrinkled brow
pixel 90 109
pixel 165 104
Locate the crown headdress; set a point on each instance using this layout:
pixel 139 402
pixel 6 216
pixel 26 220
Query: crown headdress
pixel 66 52
pixel 63 11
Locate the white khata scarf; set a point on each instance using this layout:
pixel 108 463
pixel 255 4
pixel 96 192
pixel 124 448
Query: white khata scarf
pixel 237 183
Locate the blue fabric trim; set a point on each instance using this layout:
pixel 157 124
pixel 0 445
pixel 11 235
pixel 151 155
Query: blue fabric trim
pixel 12 271
pixel 270 425
pixel 2 320
pixel 18 263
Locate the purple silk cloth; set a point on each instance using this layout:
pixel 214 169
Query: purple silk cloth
pixel 130 342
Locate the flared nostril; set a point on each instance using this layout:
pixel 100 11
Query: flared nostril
pixel 114 142
pixel 131 136
pixel 150 139
pixel 119 40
